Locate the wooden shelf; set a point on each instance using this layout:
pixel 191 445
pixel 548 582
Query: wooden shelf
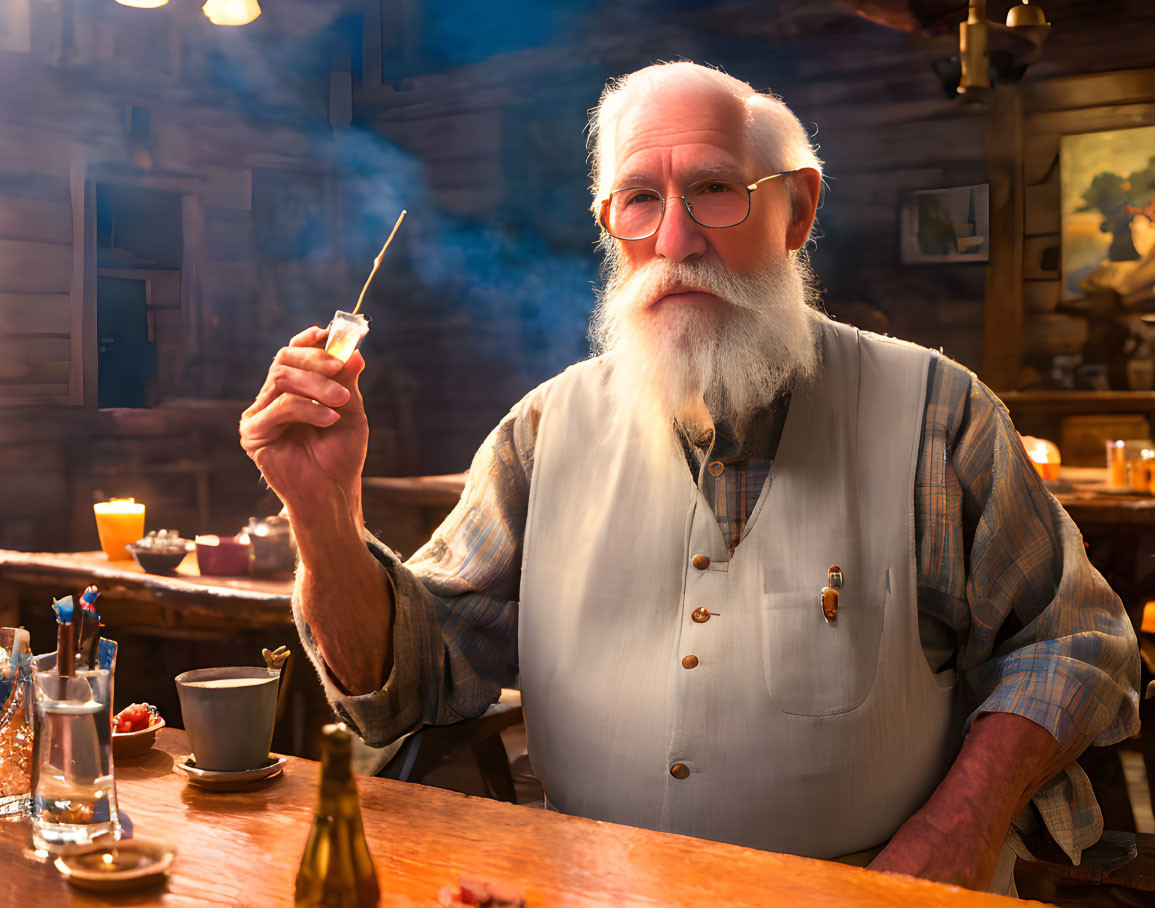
pixel 1080 401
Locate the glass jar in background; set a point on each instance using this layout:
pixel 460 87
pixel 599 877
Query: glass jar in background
pixel 273 551
pixel 16 727
pixel 1116 464
pixel 1140 471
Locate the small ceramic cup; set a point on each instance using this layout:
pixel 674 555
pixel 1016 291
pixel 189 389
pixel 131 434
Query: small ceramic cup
pixel 228 715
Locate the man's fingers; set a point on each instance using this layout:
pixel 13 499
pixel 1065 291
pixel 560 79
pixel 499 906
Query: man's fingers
pixel 350 377
pixel 285 379
pixel 313 358
pixel 267 425
pixel 310 337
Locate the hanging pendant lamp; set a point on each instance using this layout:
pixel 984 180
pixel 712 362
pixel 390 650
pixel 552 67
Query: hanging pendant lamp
pixel 232 12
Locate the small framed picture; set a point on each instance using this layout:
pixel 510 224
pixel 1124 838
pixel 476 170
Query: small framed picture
pixel 945 225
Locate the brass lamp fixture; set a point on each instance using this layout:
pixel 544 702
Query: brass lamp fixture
pixel 1015 46
pixel 1027 21
pixel 973 52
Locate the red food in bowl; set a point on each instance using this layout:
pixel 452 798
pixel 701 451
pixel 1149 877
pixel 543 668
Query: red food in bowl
pixel 134 730
pixel 132 718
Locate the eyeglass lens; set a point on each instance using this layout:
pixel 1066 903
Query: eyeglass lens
pixel 636 213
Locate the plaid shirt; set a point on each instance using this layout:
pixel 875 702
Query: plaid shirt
pixel 1006 593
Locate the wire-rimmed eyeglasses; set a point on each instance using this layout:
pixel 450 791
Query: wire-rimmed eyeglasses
pixel 636 212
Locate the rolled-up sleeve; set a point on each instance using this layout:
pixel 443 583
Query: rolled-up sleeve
pixel 1009 598
pixel 1048 638
pixel 455 624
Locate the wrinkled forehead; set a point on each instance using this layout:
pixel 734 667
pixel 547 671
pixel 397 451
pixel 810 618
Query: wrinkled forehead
pixel 684 112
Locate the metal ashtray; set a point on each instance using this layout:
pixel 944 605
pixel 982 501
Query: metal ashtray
pixel 131 864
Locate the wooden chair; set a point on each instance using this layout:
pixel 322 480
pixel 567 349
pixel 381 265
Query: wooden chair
pixel 1119 870
pixel 427 748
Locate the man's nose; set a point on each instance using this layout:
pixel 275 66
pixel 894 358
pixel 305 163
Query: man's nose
pixel 679 236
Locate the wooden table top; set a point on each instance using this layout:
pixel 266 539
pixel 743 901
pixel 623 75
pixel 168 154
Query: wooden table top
pixel 1083 492
pixel 243 848
pixel 243 602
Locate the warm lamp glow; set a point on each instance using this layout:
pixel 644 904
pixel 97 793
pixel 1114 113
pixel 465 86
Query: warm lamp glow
pixel 142 4
pixel 232 12
pixel 1044 455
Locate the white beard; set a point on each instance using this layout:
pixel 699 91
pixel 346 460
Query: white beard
pixel 679 360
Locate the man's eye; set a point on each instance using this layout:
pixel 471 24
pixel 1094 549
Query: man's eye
pixel 642 196
pixel 717 187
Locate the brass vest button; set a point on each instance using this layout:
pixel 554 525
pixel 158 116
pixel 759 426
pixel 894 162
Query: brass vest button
pixel 715 468
pixel 701 562
pixel 680 771
pixel 700 615
pixel 690 662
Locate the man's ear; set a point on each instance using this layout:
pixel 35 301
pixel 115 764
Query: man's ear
pixel 806 184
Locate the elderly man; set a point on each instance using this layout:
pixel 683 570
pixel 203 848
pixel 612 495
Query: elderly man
pixel 766 579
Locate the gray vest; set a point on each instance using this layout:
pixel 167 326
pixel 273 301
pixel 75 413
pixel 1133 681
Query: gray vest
pixel 799 736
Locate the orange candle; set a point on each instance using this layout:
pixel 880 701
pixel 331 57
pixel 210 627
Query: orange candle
pixel 120 523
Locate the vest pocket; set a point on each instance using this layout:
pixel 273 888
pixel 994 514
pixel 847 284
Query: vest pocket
pixel 817 669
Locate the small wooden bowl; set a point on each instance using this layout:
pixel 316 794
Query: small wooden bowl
pixel 158 562
pixel 134 743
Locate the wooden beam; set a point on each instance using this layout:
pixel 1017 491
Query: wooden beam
pixel 1003 328
pixel 192 212
pixel 1040 252
pixel 76 178
pixel 1041 210
pixel 1091 119
pixel 1089 90
pixel 90 355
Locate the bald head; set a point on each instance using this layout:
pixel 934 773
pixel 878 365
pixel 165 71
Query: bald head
pixel 768 133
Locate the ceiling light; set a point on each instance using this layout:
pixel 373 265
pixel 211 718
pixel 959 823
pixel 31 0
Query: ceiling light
pixel 143 4
pixel 232 12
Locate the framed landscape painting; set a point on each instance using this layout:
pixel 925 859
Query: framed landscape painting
pixel 1107 184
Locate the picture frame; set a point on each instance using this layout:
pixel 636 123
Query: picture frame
pixel 949 224
pixel 1107 203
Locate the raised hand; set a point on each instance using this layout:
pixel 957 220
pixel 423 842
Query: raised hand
pixel 306 431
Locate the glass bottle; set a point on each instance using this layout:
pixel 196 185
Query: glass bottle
pixel 336 869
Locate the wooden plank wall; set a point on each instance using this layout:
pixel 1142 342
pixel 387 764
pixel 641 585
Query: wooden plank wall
pixel 36 264
pixel 883 127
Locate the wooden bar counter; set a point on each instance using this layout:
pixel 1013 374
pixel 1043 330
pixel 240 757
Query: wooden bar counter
pixel 243 848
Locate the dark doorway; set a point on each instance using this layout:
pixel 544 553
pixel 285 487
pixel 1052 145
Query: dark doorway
pixel 138 231
pixel 127 360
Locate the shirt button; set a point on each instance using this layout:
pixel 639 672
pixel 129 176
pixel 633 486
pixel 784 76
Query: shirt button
pixel 701 562
pixel 680 771
pixel 690 662
pixel 700 615
pixel 715 468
